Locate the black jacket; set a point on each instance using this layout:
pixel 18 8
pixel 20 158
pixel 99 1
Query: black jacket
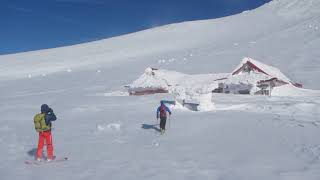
pixel 50 116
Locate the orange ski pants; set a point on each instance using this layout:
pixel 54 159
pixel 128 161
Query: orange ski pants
pixel 47 138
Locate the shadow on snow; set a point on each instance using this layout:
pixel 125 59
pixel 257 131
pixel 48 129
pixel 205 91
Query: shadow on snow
pixel 32 153
pixel 151 126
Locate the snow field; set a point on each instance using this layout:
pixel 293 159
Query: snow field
pixel 259 140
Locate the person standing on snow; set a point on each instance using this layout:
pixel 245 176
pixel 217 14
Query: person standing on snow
pixel 42 122
pixel 162 113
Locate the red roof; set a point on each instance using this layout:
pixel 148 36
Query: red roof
pixel 263 68
pixel 252 66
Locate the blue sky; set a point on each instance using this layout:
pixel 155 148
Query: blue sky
pixel 39 24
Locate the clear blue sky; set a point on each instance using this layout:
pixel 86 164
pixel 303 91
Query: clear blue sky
pixel 38 24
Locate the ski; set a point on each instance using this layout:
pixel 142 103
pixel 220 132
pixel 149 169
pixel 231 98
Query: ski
pixel 35 162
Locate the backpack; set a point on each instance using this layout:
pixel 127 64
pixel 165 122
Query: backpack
pixel 40 123
pixel 163 113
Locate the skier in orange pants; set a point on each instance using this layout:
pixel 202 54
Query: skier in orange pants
pixel 42 122
pixel 45 137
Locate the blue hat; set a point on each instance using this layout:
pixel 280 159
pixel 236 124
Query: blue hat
pixel 45 108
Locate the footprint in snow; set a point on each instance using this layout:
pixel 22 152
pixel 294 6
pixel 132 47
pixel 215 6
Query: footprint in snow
pixel 113 127
pixel 155 144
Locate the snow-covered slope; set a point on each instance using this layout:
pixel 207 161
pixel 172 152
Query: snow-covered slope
pixel 283 33
pixel 111 137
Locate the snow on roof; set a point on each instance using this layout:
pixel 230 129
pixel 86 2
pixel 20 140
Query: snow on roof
pixel 267 69
pixel 160 78
pixel 149 79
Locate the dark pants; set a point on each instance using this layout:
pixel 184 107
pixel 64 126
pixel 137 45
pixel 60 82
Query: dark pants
pixel 163 121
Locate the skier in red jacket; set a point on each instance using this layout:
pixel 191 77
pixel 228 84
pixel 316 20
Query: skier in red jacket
pixel 162 113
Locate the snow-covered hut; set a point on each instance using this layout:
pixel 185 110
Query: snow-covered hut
pixel 163 81
pixel 148 83
pixel 254 77
pixel 248 65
